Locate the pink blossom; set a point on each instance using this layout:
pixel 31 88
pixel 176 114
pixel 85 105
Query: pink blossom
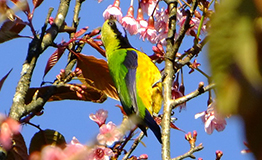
pixel 129 21
pixel 161 20
pixel 148 6
pixel 74 148
pixel 109 134
pixel 100 153
pixel 52 153
pixel 179 15
pixel 142 23
pixel 100 117
pixel 8 128
pixel 149 32
pixel 194 22
pixel 159 53
pixel 114 10
pixel 161 25
pixel 212 119
pixel 143 157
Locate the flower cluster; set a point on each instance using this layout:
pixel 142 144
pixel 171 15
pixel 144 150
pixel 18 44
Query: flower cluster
pixel 73 150
pixel 155 28
pixel 212 119
pixel 108 135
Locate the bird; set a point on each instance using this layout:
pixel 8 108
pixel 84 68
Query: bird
pixel 136 78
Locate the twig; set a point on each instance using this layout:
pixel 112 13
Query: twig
pixel 193 51
pixel 71 57
pixel 199 91
pixel 133 147
pixel 191 138
pixel 130 135
pixel 190 152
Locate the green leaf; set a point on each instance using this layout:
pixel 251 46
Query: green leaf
pixel 233 53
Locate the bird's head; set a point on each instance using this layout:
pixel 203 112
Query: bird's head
pixel 113 34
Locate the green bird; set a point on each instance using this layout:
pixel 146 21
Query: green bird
pixel 136 78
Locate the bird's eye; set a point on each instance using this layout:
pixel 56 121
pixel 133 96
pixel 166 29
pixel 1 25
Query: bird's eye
pixel 110 23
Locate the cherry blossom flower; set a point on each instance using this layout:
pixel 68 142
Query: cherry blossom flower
pixel 99 117
pixel 194 22
pixel 8 128
pixel 52 153
pixel 161 20
pixel 100 153
pixel 148 6
pixel 212 119
pixel 129 22
pixel 149 32
pixel 159 53
pixel 114 10
pixel 74 148
pixel 161 25
pixel 142 23
pixel 109 134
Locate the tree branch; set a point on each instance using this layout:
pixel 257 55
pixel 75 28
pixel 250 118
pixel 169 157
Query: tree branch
pixel 171 69
pixel 71 57
pixel 36 47
pixel 190 152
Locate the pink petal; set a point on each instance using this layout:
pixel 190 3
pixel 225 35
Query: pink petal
pixel 14 125
pixel 112 10
pixel 201 114
pixel 52 153
pixel 5 136
pixel 130 24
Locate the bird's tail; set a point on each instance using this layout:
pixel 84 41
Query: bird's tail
pixel 151 123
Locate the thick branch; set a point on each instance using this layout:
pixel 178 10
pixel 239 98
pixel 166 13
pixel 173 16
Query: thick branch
pixel 171 69
pixel 36 47
pixel 167 83
pixel 52 32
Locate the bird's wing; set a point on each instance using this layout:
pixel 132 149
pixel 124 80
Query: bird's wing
pixel 131 64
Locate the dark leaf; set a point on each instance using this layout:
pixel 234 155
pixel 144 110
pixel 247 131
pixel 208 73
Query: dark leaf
pixel 6 12
pixel 46 137
pixel 37 3
pixel 53 59
pixel 81 32
pixel 23 5
pixel 19 151
pixel 96 71
pixel 4 78
pixel 66 92
pixel 11 29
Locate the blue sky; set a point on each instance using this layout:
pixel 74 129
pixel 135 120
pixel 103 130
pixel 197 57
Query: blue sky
pixel 71 118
